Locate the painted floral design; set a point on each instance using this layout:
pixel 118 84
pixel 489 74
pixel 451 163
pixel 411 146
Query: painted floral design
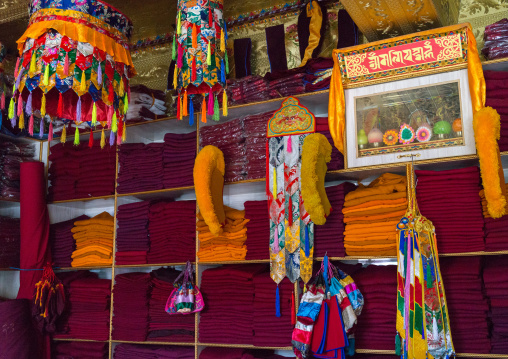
pixel 391 137
pixel 406 134
pixel 423 134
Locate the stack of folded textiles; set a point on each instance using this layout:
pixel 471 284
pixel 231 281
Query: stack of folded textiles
pixel 132 351
pixel 496 40
pixel 62 241
pixel 9 242
pixel 132 241
pixel 228 317
pixel 88 303
pixel 172 231
pixel 258 230
pixel 318 74
pixel 247 89
pixel 495 229
pixel 286 82
pixel 94 241
pixel 228 246
pixel 376 328
pixel 81 172
pixel 146 104
pixel 371 214
pixel 450 199
pixel 463 286
pixel 11 155
pixel 229 138
pixel 497 91
pixel 131 294
pixel 237 353
pixel 140 167
pixel 329 238
pixel 162 326
pixel 254 127
pixel 80 350
pixel 270 330
pixel 178 157
pixel 337 158
pixel 495 279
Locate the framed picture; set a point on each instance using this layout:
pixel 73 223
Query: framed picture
pixel 427 117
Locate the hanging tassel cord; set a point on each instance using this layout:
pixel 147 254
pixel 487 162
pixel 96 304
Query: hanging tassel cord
pixel 277 303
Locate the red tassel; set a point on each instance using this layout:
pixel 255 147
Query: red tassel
pixel 60 106
pixel 90 140
pixel 31 125
pixel 194 36
pixel 210 16
pixel 293 311
pixel 178 109
pixel 111 93
pixel 120 130
pixel 66 64
pixel 290 214
pixel 17 68
pixel 50 132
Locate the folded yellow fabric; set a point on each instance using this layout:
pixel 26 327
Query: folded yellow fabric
pixel 384 184
pixel 374 204
pixel 386 196
pixel 104 218
pixel 384 209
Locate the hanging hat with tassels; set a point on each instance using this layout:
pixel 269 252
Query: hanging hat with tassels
pixel 74 63
pixel 199 49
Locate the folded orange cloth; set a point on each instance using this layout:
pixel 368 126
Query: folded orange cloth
pixel 107 237
pixel 92 248
pixel 373 205
pixel 382 209
pixel 375 227
pixel 384 184
pixel 222 253
pixel 83 245
pixel 101 228
pixel 104 218
pixel 376 217
pixel 91 261
pixel 377 197
pixel 231 213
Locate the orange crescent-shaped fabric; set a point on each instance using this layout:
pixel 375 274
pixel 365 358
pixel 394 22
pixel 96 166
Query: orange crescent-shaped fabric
pixel 316 153
pixel 209 170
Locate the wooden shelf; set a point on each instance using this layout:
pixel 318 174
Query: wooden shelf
pixel 458 355
pixel 160 193
pixel 250 261
pixel 79 340
pixel 81 268
pixel 150 265
pixel 243 346
pixel 112 196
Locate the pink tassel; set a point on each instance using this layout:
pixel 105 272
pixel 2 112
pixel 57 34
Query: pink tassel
pixel 275 248
pixel 290 148
pixel 210 103
pixel 50 132
pixel 16 68
pixel 179 62
pixel 66 64
pixel 110 116
pixel 20 104
pixel 2 101
pixel 31 126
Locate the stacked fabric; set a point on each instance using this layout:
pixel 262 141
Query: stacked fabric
pixel 376 328
pixel 132 241
pixel 318 74
pixel 11 155
pixel 146 104
pixel 19 337
pixel 258 230
pixel 254 127
pixel 337 158
pixel 497 91
pixel 371 214
pixel 140 167
pixel 450 200
pixel 495 229
pixel 463 286
pixel 496 40
pixel 286 82
pixel 178 156
pixel 94 241
pixel 247 89
pixel 270 330
pixel 9 242
pixel 131 294
pixel 62 241
pixel 81 172
pixel 329 238
pixel 495 279
pixel 229 138
pixel 228 317
pixel 172 230
pixel 88 303
pixel 162 326
pixel 237 353
pixel 228 246
pixel 131 351
pixel 80 350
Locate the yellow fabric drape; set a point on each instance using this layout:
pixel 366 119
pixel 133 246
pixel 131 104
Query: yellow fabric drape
pixel 316 20
pixel 337 106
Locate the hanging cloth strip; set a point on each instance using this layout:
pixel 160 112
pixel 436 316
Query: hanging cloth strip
pixel 423 326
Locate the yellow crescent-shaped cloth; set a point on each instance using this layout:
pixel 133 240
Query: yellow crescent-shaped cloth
pixel 316 21
pixel 209 170
pixel 316 153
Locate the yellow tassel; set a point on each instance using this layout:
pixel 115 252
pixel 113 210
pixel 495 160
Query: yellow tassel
pixel 121 88
pixel 175 78
pixel 181 107
pixel 124 132
pixel 185 104
pixel 114 124
pixel 46 75
pixel 94 115
pixel 21 121
pixel 224 103
pixel 32 64
pixel 209 54
pixel 274 183
pixel 179 23
pixel 63 137
pixel 82 85
pixel 222 41
pixel 76 136
pixel 103 139
pixel 43 105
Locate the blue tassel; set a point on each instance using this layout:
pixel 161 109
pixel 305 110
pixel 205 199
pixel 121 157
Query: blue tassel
pixel 307 244
pixel 222 71
pixel 277 303
pixel 191 112
pixel 225 31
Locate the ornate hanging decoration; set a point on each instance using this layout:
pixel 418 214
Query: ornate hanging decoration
pixel 291 229
pixel 75 64
pixel 199 49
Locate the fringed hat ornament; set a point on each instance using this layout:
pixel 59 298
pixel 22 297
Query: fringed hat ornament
pixel 291 228
pixel 199 49
pixel 423 325
pixel 75 64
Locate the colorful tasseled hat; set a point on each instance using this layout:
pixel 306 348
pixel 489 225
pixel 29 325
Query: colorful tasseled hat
pixel 74 63
pixel 199 49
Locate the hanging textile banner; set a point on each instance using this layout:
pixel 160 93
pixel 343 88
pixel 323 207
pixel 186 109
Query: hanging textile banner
pixel 291 229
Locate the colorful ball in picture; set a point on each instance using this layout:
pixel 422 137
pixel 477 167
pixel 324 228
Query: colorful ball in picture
pixel 457 125
pixel 423 133
pixel 375 135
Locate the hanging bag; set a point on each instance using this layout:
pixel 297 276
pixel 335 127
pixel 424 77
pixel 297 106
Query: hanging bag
pixel 186 297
